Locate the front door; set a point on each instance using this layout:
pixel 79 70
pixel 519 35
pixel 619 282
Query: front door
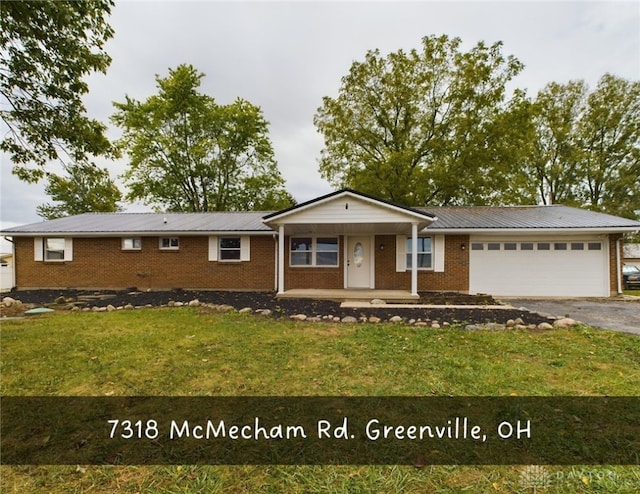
pixel 359 262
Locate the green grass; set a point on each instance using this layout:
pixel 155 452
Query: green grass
pixel 183 352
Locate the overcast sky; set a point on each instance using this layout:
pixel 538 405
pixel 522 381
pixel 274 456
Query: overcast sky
pixel 285 56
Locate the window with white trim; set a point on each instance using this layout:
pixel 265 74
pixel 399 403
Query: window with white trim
pixel 169 243
pixel 313 251
pixel 229 248
pixel 54 249
pixel 424 251
pixel 131 243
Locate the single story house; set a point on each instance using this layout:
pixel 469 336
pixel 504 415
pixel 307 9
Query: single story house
pixel 342 240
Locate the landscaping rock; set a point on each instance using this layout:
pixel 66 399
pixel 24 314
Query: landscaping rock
pixel 519 321
pixel 510 323
pixel 110 308
pixel 395 319
pixel 298 317
pixel 265 312
pixel 349 319
pixel 565 322
pixel 421 324
pixel 374 319
pixel 545 326
pixel 8 301
pixel 194 303
pixel 435 325
pixel 246 310
pixel 128 307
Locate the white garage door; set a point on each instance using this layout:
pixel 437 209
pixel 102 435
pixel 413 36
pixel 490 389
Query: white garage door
pixel 553 267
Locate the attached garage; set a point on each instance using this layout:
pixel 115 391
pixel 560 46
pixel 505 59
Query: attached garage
pixel 551 266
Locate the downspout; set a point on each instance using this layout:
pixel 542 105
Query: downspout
pixel 13 260
pixel 618 267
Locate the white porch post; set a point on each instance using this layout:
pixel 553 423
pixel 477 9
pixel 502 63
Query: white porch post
pixel 281 259
pixel 414 259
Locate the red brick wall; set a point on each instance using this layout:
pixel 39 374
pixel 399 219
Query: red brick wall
pixel 101 263
pixel 454 278
pixel 613 263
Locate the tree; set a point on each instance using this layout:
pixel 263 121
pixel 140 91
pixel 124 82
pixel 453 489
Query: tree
pixel 423 127
pixel 47 47
pixel 609 139
pixel 86 189
pixel 552 157
pixel 187 153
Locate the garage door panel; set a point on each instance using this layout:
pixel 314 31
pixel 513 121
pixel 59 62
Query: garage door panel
pixel 535 272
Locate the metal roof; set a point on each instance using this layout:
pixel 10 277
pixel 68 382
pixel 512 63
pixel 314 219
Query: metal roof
pixel 524 218
pixel 119 223
pixel 454 219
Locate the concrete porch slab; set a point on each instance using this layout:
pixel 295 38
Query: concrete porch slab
pixel 345 294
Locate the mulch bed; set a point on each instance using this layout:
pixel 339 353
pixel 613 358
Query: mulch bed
pixel 287 307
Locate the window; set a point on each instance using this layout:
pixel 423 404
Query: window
pixel 595 246
pixel 229 248
pixel 327 251
pixel 477 246
pixel 526 246
pixel 544 246
pixel 560 246
pixel 54 249
pixel 169 243
pixel 510 246
pixel 133 243
pixel 424 252
pixel 314 251
pixel 577 246
pixel 493 246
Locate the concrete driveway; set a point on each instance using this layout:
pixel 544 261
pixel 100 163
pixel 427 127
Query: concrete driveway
pixel 615 314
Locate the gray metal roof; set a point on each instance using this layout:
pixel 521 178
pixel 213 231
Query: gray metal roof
pixel 472 218
pixel 119 223
pixel 524 218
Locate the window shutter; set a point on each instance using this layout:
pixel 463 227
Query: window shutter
pixel 38 249
pixel 213 248
pixel 245 248
pixel 401 253
pixel 438 253
pixel 68 249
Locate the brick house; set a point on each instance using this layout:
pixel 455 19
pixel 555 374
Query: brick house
pixel 343 240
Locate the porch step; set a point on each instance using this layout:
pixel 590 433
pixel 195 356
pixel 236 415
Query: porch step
pixel 344 295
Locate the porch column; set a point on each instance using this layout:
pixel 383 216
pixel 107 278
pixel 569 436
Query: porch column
pixel 414 259
pixel 281 259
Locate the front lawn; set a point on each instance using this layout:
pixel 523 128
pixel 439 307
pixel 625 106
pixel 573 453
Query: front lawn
pixel 184 352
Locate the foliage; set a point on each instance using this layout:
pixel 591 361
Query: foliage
pixel 423 127
pixel 584 147
pixel 86 189
pixel 188 153
pixel 47 48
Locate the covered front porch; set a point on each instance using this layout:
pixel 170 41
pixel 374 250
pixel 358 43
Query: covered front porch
pixel 350 294
pixel 339 231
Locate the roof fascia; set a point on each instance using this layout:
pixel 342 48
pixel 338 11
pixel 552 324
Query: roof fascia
pixel 146 233
pixel 524 231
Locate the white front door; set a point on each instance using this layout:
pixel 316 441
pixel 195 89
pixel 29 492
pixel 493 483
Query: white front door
pixel 359 262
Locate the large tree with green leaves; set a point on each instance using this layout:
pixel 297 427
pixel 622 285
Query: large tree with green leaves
pixel 188 153
pixel 428 126
pixel 584 145
pixel 86 188
pixel 47 48
pixel 609 145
